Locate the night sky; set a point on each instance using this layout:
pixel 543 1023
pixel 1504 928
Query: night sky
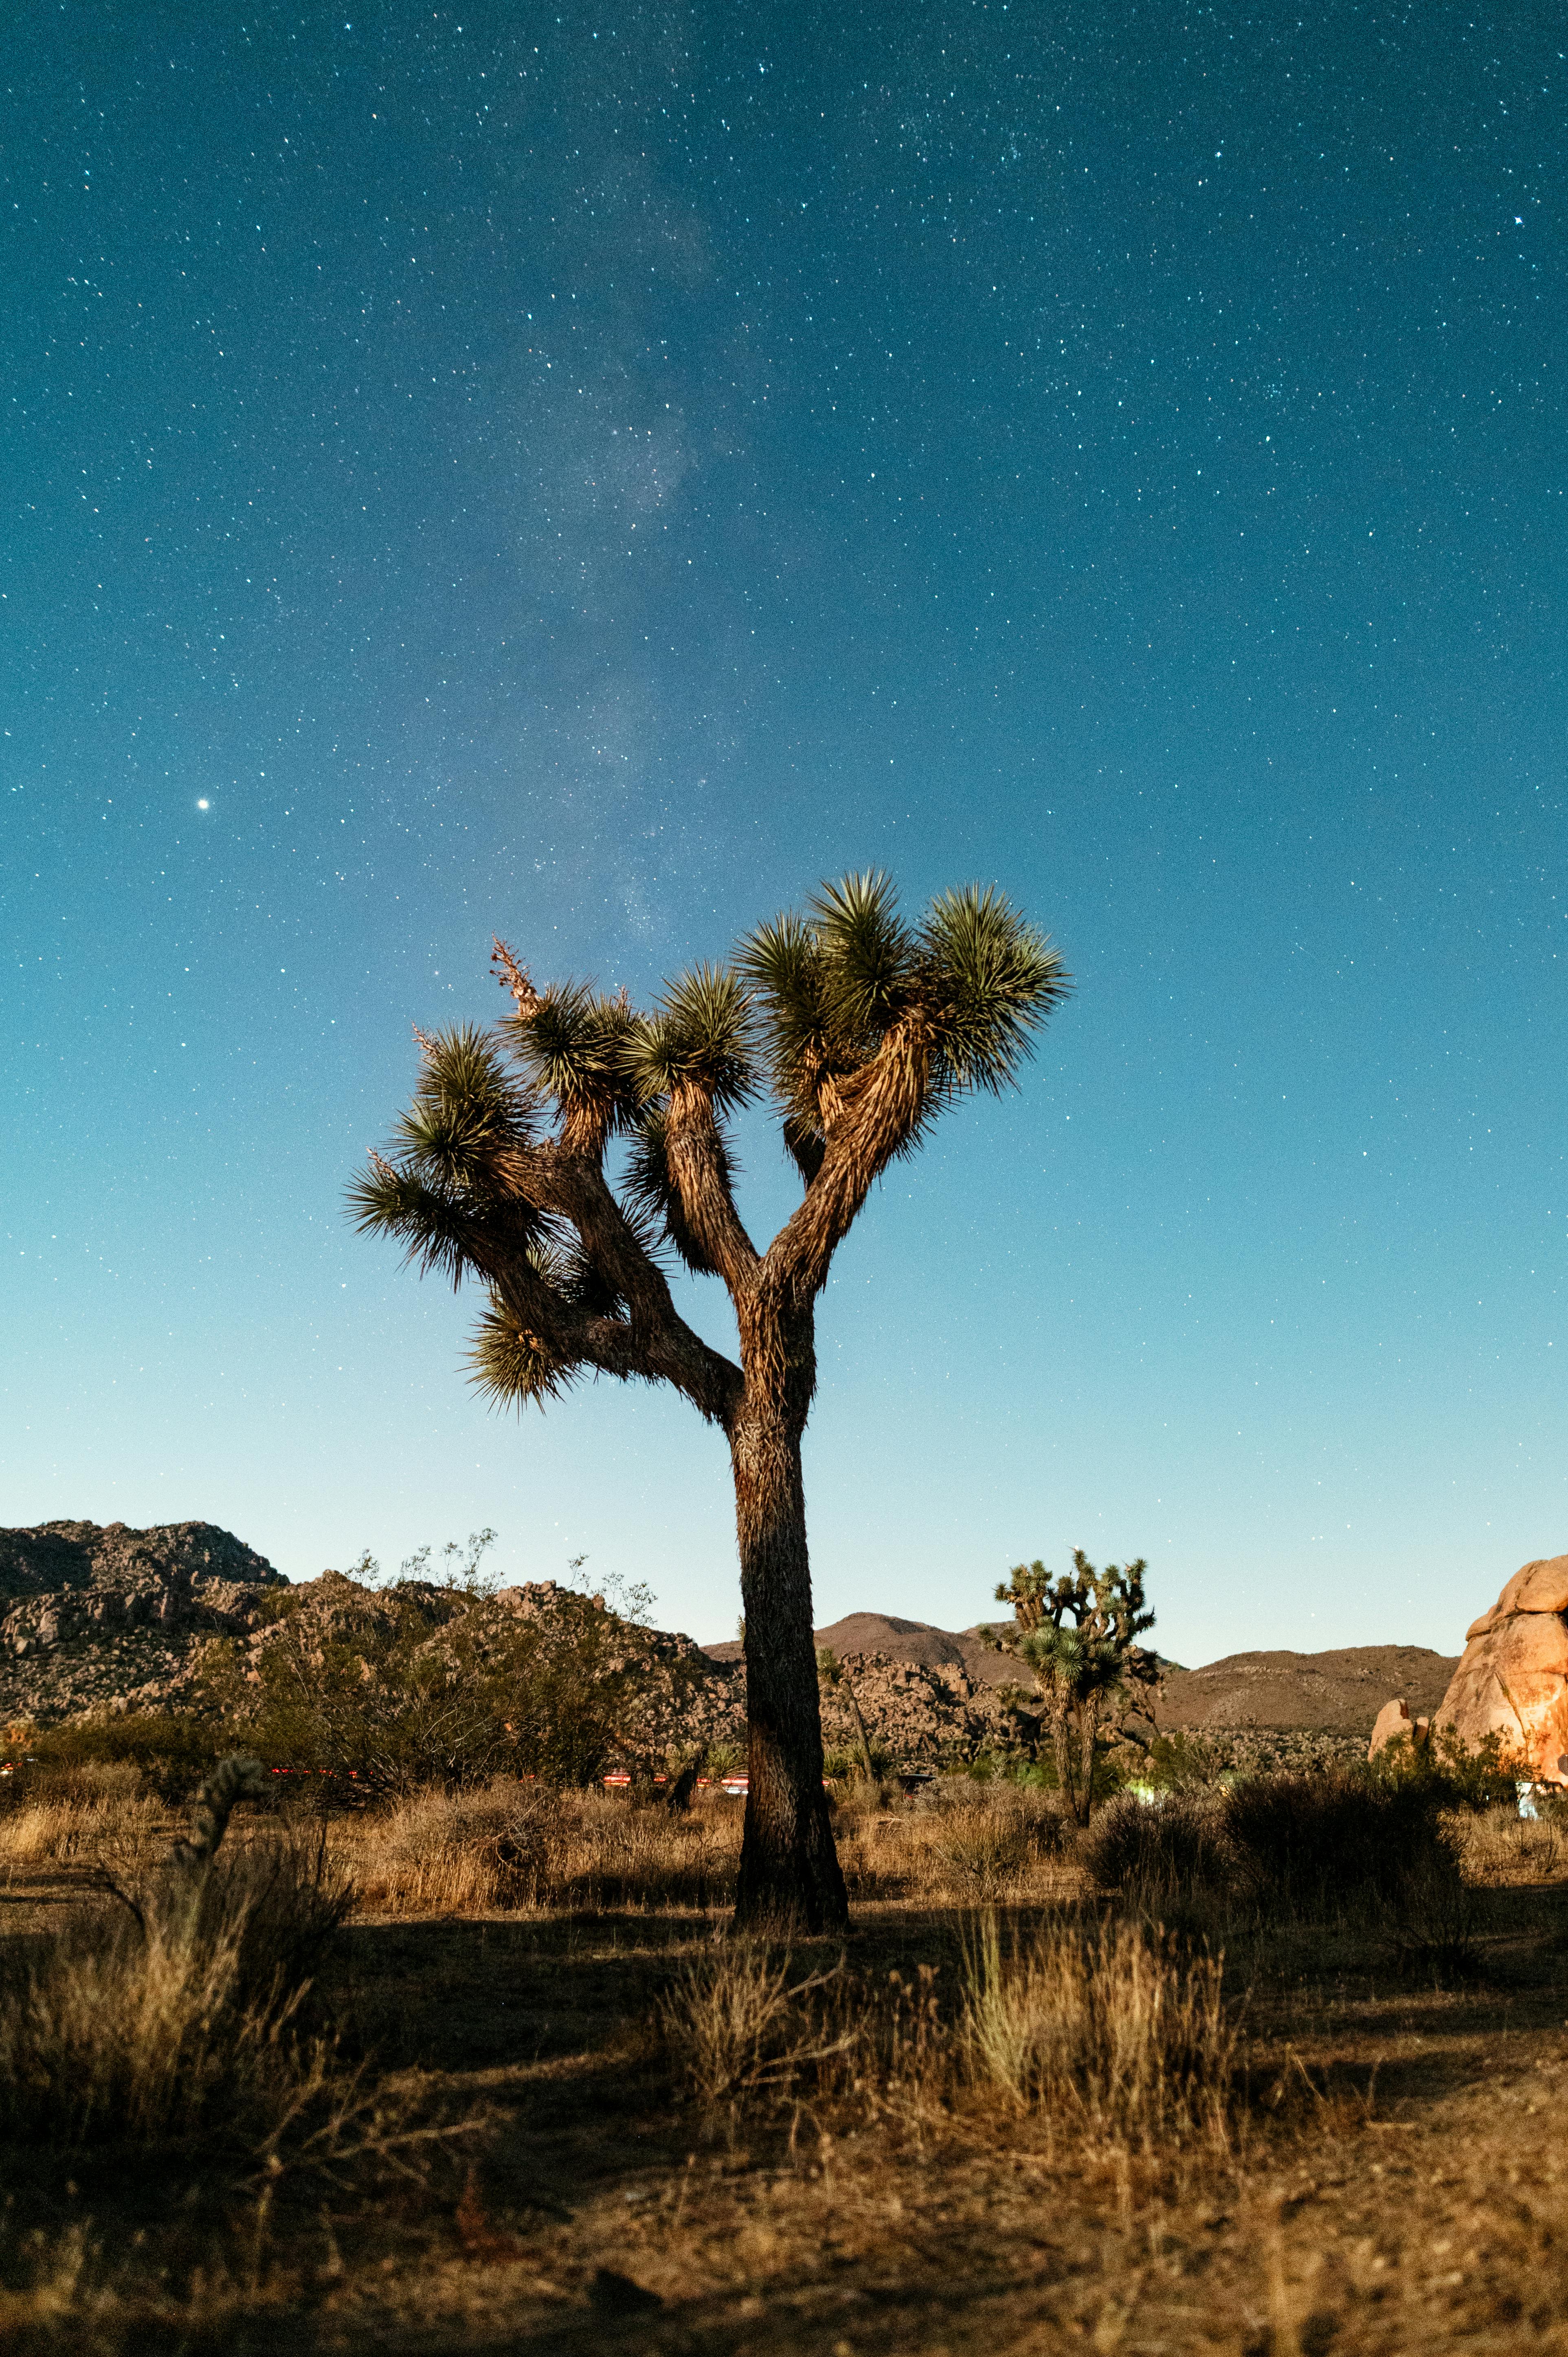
pixel 589 473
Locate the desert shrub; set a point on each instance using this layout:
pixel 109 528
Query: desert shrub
pixel 411 1685
pixel 170 1750
pixel 1110 2028
pixel 1309 1848
pixel 1322 1846
pixel 1183 1761
pixel 844 1764
pixel 1452 1774
pixel 1170 1861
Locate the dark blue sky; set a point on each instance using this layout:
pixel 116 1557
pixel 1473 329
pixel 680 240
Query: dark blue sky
pixel 589 473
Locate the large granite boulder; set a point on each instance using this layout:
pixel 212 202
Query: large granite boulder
pixel 1512 1680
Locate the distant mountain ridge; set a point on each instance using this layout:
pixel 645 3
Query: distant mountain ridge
pixel 1338 1692
pixel 95 1618
pixel 909 1640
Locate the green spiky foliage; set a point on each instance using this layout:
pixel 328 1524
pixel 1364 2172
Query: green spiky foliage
pixel 571 1044
pixel 449 1181
pixel 862 1027
pixel 964 992
pixel 698 1038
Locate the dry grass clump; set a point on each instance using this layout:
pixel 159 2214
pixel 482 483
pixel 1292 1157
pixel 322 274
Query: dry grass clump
pixel 87 1813
pixel 740 2023
pixel 1110 2027
pixel 1110 2030
pixel 525 1845
pixel 982 1844
pixel 171 2012
pixel 1499 1846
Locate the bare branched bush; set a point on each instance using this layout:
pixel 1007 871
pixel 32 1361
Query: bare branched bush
pixel 1109 2028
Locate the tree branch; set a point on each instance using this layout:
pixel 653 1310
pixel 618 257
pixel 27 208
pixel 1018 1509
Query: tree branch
pixel 654 1339
pixel 878 1112
pixel 699 1172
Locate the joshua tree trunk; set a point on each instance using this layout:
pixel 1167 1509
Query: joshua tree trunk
pixel 788 1865
pixel 1088 1728
pixel 1061 1735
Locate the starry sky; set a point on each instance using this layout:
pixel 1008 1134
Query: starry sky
pixel 588 473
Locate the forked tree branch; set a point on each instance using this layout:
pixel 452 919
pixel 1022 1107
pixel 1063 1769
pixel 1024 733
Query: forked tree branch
pixel 654 1333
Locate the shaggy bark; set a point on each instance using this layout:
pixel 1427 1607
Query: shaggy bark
pixel 789 1864
pixel 1088 1728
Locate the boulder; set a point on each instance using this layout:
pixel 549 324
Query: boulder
pixel 1393 1723
pixel 1512 1680
pixel 1540 1586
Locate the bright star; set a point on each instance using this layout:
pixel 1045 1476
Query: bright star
pixel 203 802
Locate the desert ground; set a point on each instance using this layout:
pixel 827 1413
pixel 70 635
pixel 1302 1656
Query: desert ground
pixel 490 2072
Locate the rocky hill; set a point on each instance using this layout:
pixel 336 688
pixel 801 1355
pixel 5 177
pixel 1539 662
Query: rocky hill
pixel 109 1619
pixel 97 1617
pixel 882 1634
pixel 1337 1693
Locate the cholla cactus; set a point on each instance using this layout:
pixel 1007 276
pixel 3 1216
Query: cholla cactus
pixel 863 1029
pixel 235 1778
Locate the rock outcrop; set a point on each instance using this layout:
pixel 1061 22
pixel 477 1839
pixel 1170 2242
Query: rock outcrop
pixel 1394 1724
pixel 1512 1680
pixel 923 1714
pixel 95 1618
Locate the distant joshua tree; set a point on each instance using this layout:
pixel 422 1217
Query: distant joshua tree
pixel 1084 1666
pixel 862 1028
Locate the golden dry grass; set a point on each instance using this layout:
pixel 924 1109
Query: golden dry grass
pixel 95 1813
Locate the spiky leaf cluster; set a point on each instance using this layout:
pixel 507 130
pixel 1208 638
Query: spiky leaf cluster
pixel 970 984
pixel 572 1045
pixel 698 1038
pixel 449 1180
pixel 511 1366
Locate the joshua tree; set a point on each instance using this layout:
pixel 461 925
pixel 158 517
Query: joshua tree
pixel 1084 1665
pixel 863 1028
